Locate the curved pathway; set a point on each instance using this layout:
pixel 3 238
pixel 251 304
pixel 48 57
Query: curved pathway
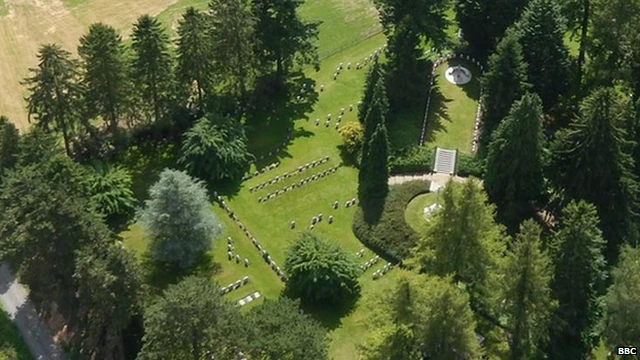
pixel 14 299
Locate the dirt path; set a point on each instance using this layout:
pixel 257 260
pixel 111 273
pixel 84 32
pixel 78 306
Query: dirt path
pixel 13 298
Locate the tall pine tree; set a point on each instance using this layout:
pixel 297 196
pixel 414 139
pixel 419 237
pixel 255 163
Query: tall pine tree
pixel 503 84
pixel 9 145
pixel 514 179
pixel 528 304
pixel 376 113
pixel 283 38
pixel 578 281
pixel 54 92
pixel 195 63
pixel 374 74
pixel 152 67
pixel 590 162
pixel 373 179
pixel 231 32
pixel 542 37
pixel 105 79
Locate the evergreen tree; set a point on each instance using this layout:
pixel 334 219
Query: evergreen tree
pixel 9 145
pixel 464 241
pixel 279 330
pixel 514 179
pixel 371 84
pixel 622 301
pixel 578 14
pixel 542 37
pixel 215 148
pixel 105 78
pixel 483 22
pixel 54 92
pixel 578 281
pixel 503 83
pixel 528 305
pixel 231 32
pixel 36 146
pixel 283 38
pixel 320 271
pixel 373 185
pixel 421 18
pixel 191 321
pixel 152 67
pixel 422 317
pixel 195 63
pixel 178 219
pixel 108 292
pixel 110 192
pixel 376 114
pixel 590 162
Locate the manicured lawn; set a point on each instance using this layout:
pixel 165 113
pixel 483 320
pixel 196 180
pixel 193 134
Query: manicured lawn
pixel 11 345
pixel 414 212
pixel 452 110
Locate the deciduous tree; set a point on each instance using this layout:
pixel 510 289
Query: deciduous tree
pixel 191 321
pixel 279 330
pixel 320 271
pixel 178 219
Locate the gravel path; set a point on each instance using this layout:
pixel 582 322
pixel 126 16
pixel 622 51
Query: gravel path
pixel 13 298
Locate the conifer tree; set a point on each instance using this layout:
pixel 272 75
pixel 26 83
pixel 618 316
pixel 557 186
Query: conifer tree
pixel 231 33
pixel 373 185
pixel 527 283
pixel 503 83
pixel 152 69
pixel 590 162
pixel 578 281
pixel 374 74
pixel 514 179
pixel 464 241
pixel 194 55
pixel 542 37
pixel 54 92
pixel 622 301
pixel 9 145
pixel 105 78
pixel 376 113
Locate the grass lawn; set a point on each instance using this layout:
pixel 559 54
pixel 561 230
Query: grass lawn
pixel 413 214
pixel 452 110
pixel 11 345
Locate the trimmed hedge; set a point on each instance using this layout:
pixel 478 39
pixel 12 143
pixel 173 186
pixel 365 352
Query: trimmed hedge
pixel 469 165
pixel 417 159
pixel 391 236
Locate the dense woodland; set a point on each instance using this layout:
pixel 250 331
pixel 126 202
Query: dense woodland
pixel 540 260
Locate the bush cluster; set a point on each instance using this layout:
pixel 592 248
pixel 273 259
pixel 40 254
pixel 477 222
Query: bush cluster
pixel 391 236
pixel 417 159
pixel 469 165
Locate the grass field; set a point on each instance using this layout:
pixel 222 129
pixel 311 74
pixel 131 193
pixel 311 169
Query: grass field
pixel 11 345
pixel 452 110
pixel 413 214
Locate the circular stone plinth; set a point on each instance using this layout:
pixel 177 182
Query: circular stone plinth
pixel 458 75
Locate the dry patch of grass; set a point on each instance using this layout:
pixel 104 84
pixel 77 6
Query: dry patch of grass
pixel 27 24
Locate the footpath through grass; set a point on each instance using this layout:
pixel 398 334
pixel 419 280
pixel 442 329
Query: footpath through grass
pixel 11 345
pixel 453 109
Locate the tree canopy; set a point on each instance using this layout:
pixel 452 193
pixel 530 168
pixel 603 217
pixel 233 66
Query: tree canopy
pixel 320 271
pixel 178 219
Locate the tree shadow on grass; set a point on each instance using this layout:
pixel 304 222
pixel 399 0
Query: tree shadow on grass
pixel 437 115
pixel 328 314
pixel 160 275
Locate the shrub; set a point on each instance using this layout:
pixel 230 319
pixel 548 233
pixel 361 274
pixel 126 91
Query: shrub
pixel 417 159
pixel 391 236
pixel 351 136
pixel 469 165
